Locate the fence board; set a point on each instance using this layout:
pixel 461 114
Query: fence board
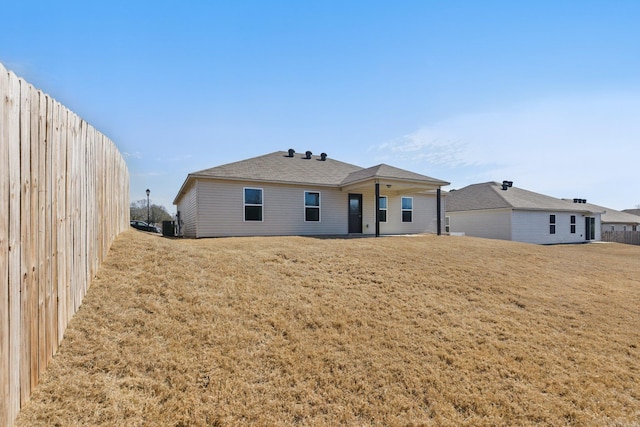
pixel 34 296
pixel 64 196
pixel 24 143
pixel 12 113
pixel 627 237
pixel 4 259
pixel 42 275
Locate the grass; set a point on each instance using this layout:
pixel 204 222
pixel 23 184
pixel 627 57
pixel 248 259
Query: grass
pixel 425 330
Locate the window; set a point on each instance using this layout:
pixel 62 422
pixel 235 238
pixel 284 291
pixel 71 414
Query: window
pixel 311 206
pixel 447 224
pixel 253 204
pixel 382 209
pixel 573 224
pixel 407 209
pixel 552 224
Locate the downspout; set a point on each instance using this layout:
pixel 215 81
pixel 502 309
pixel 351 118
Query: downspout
pixel 377 209
pixel 439 208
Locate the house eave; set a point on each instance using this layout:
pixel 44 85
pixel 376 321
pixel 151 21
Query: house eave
pixel 402 186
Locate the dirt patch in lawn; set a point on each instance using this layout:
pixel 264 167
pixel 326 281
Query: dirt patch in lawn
pixel 391 331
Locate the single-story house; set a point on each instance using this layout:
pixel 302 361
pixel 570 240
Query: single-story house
pixel 613 220
pixel 286 193
pixel 501 211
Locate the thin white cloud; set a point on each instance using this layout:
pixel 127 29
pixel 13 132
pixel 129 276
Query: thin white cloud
pixel 136 155
pixel 566 146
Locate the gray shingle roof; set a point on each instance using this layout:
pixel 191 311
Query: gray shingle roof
pixel 612 216
pixel 632 211
pixel 489 195
pixel 385 171
pixel 278 167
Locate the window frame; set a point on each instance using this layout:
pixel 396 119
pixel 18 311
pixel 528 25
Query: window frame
pixel 403 210
pixel 447 224
pixel 245 204
pixel 573 224
pixel 385 209
pixel 552 224
pixel 306 206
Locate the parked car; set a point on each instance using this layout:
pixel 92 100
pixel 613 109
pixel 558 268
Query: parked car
pixel 141 225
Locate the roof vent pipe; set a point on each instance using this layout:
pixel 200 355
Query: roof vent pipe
pixel 291 152
pixel 308 154
pixel 323 156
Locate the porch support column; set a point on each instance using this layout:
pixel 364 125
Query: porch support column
pixel 439 208
pixel 377 209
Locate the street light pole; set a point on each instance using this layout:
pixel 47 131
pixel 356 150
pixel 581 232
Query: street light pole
pixel 148 211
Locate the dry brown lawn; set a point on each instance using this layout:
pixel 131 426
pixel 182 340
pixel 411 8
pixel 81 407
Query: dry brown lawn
pixel 427 330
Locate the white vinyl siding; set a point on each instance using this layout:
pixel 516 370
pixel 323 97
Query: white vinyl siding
pixel 221 204
pixel 520 226
pixel 424 214
pixel 534 227
pixel 188 212
pixel 490 224
pixel 619 227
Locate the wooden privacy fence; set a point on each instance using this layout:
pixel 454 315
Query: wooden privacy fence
pixel 64 197
pixel 628 237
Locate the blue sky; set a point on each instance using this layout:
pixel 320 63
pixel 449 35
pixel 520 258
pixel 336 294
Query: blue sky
pixel 542 93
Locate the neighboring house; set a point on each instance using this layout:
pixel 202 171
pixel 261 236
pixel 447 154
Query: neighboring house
pixel 613 220
pixel 632 211
pixel 285 193
pixel 501 211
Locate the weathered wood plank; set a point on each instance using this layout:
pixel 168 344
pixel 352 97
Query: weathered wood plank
pixel 63 196
pixel 12 128
pixel 53 164
pixel 4 250
pixel 61 176
pixel 34 296
pixel 44 241
pixel 25 233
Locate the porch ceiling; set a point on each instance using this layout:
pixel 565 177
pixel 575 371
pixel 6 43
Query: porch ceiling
pixel 388 186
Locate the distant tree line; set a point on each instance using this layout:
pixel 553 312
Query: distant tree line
pixel 157 213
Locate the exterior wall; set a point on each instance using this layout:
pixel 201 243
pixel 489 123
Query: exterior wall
pixel 533 227
pixel 220 210
pixel 187 208
pixel 215 208
pixel 490 224
pixel 424 213
pixel 619 227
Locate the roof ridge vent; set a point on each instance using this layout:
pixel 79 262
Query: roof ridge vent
pixel 308 155
pixel 506 185
pixel 579 200
pixel 323 156
pixel 291 152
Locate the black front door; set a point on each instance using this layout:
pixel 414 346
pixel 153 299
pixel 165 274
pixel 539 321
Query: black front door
pixel 355 213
